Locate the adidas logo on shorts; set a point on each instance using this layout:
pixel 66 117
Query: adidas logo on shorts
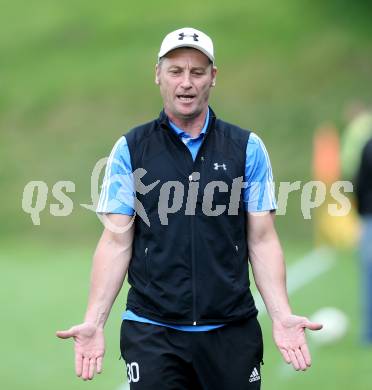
pixel 255 376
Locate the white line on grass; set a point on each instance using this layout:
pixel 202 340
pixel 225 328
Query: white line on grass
pixel 303 272
pixel 299 274
pixel 312 265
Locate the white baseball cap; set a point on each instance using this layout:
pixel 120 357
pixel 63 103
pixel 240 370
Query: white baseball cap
pixel 187 37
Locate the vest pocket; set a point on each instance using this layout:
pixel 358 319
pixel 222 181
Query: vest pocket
pixel 236 260
pixel 147 266
pixel 237 268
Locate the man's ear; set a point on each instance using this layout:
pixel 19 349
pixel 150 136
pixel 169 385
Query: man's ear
pixel 157 71
pixel 214 73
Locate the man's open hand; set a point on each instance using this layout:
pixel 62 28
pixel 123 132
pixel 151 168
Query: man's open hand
pixel 289 336
pixel 89 348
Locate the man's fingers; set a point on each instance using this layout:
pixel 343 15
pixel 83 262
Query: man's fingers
pixel 92 366
pixel 78 364
pixel 300 359
pixel 99 365
pixel 65 334
pixel 294 360
pixel 313 325
pixel 85 373
pixel 285 355
pixel 306 354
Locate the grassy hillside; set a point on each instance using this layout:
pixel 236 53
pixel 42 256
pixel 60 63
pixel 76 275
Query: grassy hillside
pixel 75 76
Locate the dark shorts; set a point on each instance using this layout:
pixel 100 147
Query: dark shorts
pixel 161 358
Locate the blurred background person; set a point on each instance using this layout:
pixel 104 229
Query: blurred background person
pixel 363 191
pixel 354 138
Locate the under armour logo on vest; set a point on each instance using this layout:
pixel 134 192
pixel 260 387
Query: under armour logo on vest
pixel 218 166
pixel 183 35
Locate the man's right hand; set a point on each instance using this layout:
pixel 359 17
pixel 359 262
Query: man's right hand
pixel 89 348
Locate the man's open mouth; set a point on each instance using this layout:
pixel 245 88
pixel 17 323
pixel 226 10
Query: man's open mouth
pixel 185 98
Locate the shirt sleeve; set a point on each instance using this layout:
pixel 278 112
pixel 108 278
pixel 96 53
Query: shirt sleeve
pixel 117 194
pixel 259 194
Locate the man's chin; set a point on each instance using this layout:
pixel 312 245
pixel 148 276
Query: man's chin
pixel 188 112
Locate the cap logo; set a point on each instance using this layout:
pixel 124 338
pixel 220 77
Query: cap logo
pixel 183 35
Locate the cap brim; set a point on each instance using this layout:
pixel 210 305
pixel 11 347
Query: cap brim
pixel 162 54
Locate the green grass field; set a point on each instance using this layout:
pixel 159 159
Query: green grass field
pixel 44 288
pixel 74 76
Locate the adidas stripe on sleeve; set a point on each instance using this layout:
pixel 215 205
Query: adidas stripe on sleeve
pixel 117 194
pixel 259 195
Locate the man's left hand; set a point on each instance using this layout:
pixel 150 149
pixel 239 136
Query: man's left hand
pixel 289 336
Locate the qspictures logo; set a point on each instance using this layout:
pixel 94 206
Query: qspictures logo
pixel 173 195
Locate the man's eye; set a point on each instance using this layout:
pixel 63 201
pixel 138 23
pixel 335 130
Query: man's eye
pixel 198 73
pixel 175 71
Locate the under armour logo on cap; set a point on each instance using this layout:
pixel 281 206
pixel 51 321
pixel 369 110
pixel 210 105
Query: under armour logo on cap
pixel 187 37
pixel 183 35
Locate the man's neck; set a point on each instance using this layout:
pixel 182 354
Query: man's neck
pixel 192 126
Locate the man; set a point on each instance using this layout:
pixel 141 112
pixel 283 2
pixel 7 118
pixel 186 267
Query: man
pixel 364 200
pixel 190 321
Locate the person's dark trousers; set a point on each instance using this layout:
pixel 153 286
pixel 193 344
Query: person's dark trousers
pixel 162 358
pixel 366 278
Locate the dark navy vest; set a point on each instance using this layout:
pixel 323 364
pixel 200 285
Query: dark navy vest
pixel 190 265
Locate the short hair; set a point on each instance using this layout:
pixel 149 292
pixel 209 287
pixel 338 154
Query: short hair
pixel 161 59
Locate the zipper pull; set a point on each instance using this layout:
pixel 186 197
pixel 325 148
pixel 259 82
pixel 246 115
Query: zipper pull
pixel 194 323
pixel 195 176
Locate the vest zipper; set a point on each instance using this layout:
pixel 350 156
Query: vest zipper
pixel 193 270
pixel 193 262
pixel 193 234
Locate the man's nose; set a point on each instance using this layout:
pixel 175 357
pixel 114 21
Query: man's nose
pixel 186 81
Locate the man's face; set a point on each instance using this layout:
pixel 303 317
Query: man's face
pixel 185 77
